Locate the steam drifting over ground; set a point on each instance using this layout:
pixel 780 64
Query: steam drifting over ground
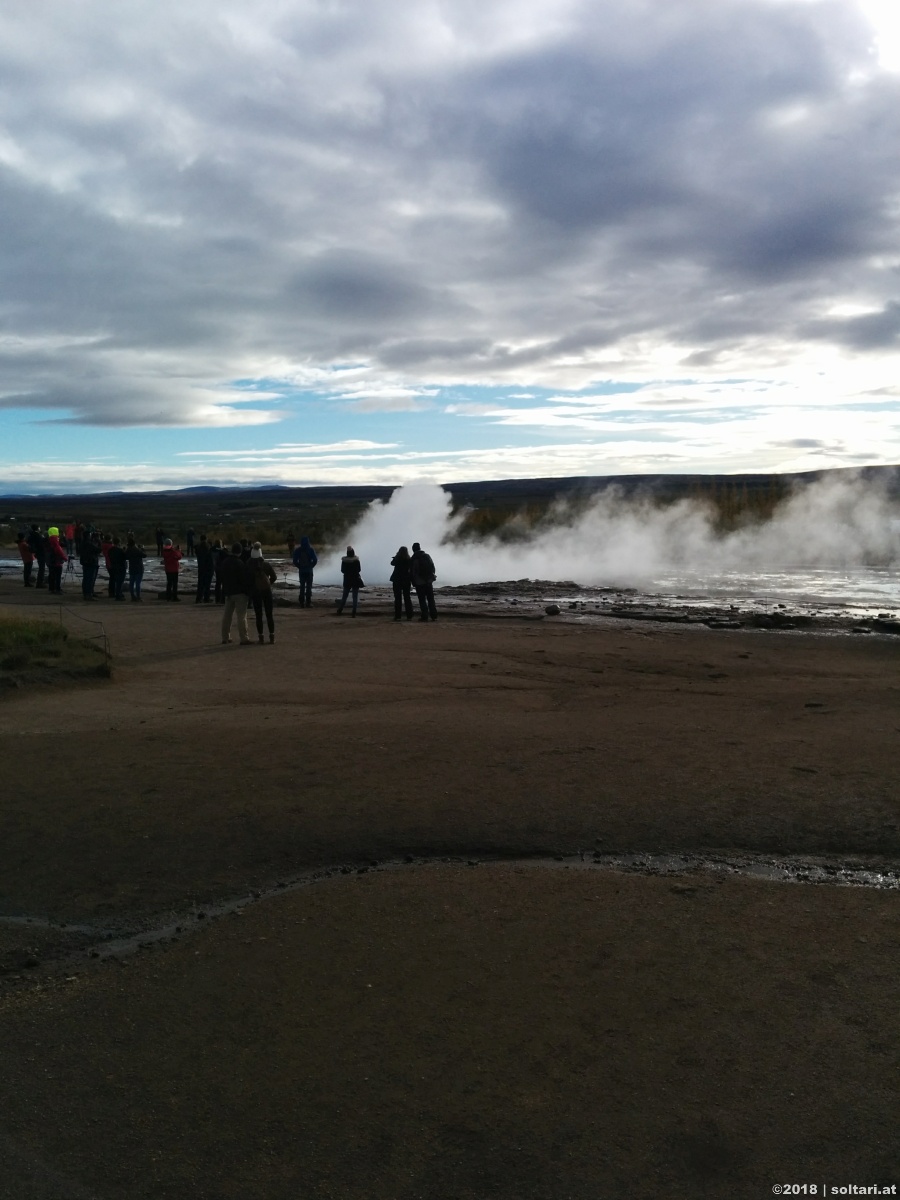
pixel 630 542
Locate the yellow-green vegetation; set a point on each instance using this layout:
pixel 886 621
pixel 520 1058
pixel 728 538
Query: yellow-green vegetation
pixel 35 651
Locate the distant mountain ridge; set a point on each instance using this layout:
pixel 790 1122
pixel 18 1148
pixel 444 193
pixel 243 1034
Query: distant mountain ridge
pixel 486 490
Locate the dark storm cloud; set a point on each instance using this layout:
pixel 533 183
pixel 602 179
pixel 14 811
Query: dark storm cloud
pixel 194 194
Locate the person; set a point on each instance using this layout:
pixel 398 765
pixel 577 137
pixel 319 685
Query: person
pixel 27 556
pixel 304 559
pixel 220 553
pixel 423 576
pixel 189 544
pixel 118 567
pixel 400 578
pixel 89 554
pixel 171 559
pixel 236 589
pixel 160 541
pixel 36 542
pixel 262 576
pixel 56 559
pixel 105 547
pixel 291 543
pixel 205 570
pixel 135 555
pixel 351 569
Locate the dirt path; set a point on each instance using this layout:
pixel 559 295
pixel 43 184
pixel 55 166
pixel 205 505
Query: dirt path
pixel 527 1033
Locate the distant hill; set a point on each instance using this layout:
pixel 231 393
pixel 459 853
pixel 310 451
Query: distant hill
pixel 272 512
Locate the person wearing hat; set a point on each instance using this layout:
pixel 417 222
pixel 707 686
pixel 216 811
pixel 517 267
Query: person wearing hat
pixel 57 559
pixel 262 576
pixel 422 574
pixel 171 558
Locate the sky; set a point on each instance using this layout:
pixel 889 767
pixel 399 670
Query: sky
pixel 332 241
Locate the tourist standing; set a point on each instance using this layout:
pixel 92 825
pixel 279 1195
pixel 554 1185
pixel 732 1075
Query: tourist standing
pixel 171 558
pixel 205 570
pixel 304 559
pixel 118 568
pixel 219 555
pixel 235 578
pixel 423 575
pixel 262 576
pixel 56 559
pixel 105 547
pixel 351 569
pixel 89 553
pixel 36 542
pixel 189 543
pixel 27 556
pixel 402 584
pixel 135 555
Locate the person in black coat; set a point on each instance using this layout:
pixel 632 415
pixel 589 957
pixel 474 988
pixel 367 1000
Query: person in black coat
pixel 351 569
pixel 402 582
pixel 423 576
pixel 118 568
pixel 205 569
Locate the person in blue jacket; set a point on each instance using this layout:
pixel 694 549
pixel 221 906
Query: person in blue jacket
pixel 304 559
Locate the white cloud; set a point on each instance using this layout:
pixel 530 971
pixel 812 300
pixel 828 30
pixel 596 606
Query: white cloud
pixel 373 202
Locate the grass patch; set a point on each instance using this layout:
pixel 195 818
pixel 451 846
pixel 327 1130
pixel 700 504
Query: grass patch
pixel 40 652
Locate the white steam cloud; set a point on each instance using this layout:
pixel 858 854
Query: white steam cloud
pixel 618 542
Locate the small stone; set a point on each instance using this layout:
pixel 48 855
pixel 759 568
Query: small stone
pixel 552 610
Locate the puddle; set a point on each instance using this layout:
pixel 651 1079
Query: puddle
pixel 123 940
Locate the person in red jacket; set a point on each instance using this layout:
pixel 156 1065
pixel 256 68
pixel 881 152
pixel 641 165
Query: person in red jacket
pixel 171 558
pixel 56 560
pixel 27 558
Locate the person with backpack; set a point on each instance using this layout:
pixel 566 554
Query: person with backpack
pixel 423 575
pixel 304 559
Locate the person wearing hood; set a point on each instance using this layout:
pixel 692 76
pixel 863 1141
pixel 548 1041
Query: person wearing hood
pixel 402 584
pixel 262 576
pixel 235 579
pixel 57 559
pixel 351 569
pixel 304 559
pixel 423 576
pixel 171 558
pixel 89 553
